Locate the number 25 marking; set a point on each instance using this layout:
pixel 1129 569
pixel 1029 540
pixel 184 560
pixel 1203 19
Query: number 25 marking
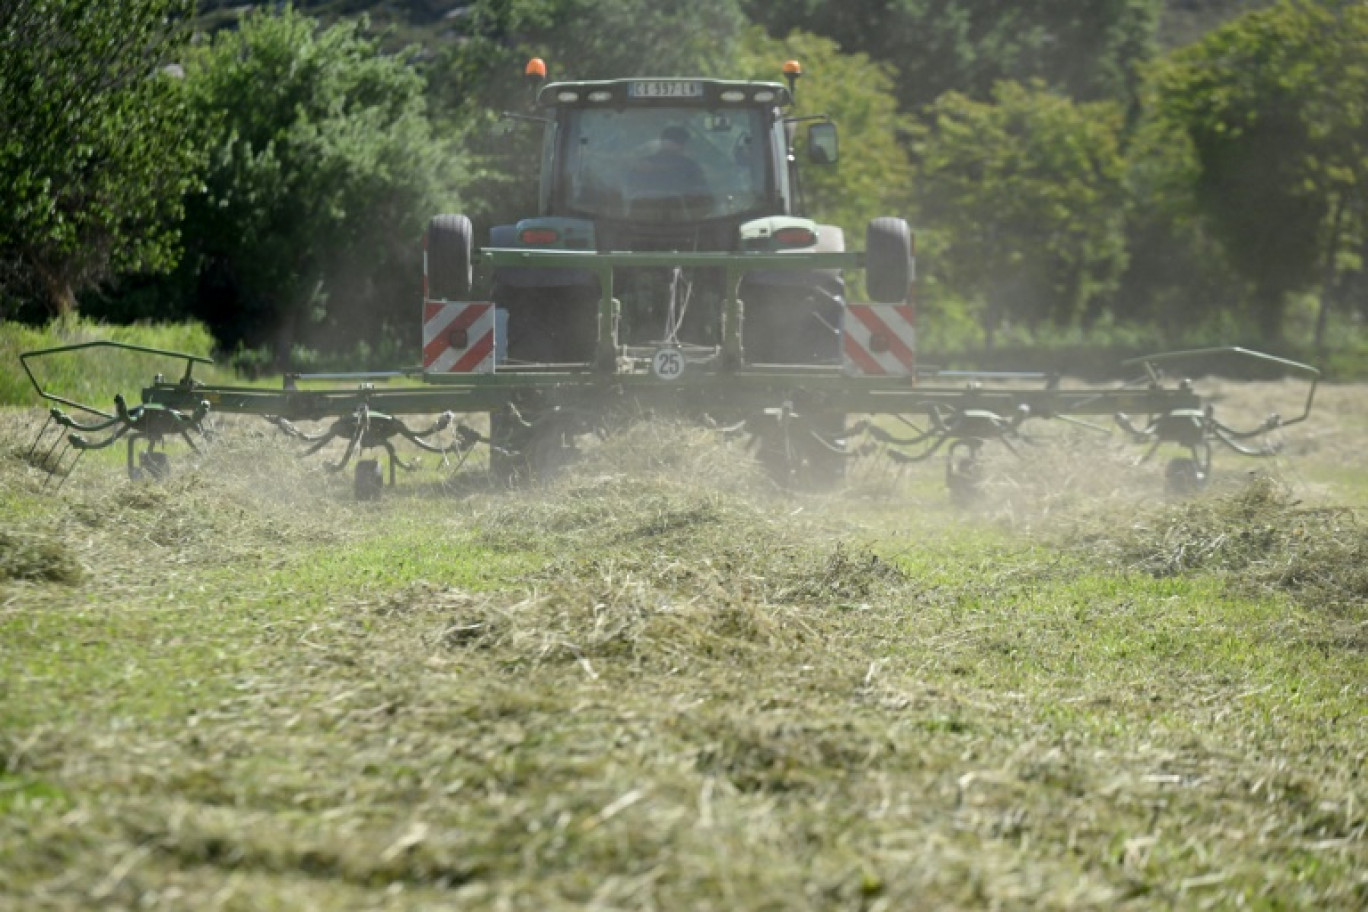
pixel 667 364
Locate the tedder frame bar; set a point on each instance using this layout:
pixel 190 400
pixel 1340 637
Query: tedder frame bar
pixel 793 409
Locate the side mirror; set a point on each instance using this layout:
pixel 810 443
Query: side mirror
pixel 823 148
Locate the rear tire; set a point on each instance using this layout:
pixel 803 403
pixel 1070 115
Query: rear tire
pixel 792 323
pixel 450 245
pixel 550 325
pixel 888 260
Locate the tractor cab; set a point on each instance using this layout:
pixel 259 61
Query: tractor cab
pixel 670 165
pixel 685 152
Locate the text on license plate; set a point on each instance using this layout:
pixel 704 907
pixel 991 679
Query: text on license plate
pixel 665 89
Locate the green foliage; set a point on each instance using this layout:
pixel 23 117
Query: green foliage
pixel 95 375
pixel 1026 194
pixel 1276 105
pixel 94 157
pixel 1088 49
pixel 1244 176
pixel 581 39
pixel 479 75
pixel 1184 22
pixel 873 177
pixel 322 170
pixel 1178 279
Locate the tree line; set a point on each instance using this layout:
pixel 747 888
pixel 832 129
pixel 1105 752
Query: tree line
pixel 1064 173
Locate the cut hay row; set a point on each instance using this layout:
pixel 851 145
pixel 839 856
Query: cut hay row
pixel 656 682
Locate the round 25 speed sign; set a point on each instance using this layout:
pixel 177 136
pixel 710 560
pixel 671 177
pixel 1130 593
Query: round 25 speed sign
pixel 668 364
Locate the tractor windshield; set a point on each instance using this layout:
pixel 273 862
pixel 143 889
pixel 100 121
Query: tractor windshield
pixel 664 163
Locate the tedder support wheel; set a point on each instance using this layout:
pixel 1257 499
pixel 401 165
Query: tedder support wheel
pixel 155 465
pixel 369 480
pixel 964 474
pixel 805 455
pixel 521 451
pixel 888 260
pixel 1184 477
pixel 509 439
pixel 449 257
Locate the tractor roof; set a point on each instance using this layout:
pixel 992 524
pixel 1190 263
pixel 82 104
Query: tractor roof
pixel 662 91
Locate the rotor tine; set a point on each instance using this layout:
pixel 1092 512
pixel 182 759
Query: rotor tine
pixel 464 453
pixel 1150 454
pixel 69 472
pixel 318 445
pixel 41 431
pixel 50 472
pixel 55 443
pixel 352 447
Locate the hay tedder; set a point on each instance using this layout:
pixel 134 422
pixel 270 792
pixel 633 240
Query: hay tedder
pixel 669 270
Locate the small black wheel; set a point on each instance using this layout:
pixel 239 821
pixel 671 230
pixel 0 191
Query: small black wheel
pixel 449 257
pixel 888 260
pixel 1184 477
pixel 155 465
pixel 807 455
pixel 509 439
pixel 964 476
pixel 369 479
pixel 520 451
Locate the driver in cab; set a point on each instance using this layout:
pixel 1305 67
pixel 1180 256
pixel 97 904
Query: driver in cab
pixel 669 171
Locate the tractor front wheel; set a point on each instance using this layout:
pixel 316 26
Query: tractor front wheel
pixel 450 245
pixel 888 260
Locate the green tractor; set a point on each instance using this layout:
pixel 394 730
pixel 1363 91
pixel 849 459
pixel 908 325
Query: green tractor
pixel 668 167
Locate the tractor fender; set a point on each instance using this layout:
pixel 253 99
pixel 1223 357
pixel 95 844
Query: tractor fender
pixel 830 239
pixel 506 236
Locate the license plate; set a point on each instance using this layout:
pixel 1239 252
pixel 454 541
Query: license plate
pixel 665 89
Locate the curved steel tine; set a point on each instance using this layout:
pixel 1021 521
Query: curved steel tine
pixel 41 431
pixel 69 472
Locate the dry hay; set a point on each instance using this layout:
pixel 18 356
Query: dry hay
pixel 699 694
pixel 244 500
pixel 36 558
pixel 1258 537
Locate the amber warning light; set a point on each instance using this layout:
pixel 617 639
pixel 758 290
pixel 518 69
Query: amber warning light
pixel 792 70
pixel 535 72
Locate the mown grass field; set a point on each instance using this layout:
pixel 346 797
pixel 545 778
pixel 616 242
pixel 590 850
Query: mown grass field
pixel 659 683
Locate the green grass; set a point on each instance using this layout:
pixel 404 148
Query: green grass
pixel 657 683
pixel 94 376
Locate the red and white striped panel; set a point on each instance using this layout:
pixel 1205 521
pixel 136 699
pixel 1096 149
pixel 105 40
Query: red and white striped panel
pixel 880 340
pixel 458 338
